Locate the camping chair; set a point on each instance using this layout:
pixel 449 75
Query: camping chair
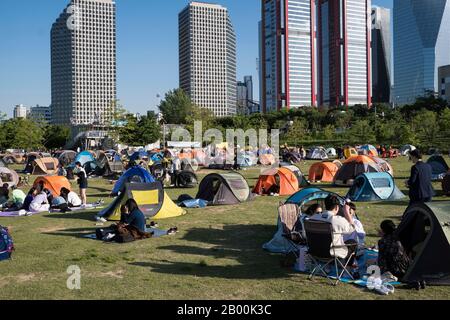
pixel 319 235
pixel 289 216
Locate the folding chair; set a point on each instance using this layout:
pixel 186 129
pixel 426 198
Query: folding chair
pixel 319 237
pixel 289 214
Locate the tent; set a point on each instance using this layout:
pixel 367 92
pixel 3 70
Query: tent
pixel 369 150
pixel 323 172
pixel 350 152
pixel 425 234
pixel 2 163
pixel 439 167
pixel 247 159
pixel 384 165
pixel 406 149
pixel 67 157
pixel 224 189
pixel 53 183
pixel 281 181
pixel 267 159
pixel 292 157
pixel 378 186
pixel 355 166
pixel 83 158
pixel 14 158
pixel 317 153
pixel 29 162
pixel 150 197
pixel 304 199
pixel 302 182
pixel 8 176
pixel 331 152
pixel 187 179
pixel 139 155
pixel 44 166
pixel 136 174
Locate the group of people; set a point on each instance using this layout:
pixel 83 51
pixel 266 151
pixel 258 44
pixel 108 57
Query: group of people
pixel 349 236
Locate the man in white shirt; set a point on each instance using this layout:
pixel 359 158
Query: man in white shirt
pixel 360 234
pixel 341 226
pixel 73 200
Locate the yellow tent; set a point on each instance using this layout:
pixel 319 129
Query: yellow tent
pixel 150 197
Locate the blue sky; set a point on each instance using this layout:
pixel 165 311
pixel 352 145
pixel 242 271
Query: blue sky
pixel 147 48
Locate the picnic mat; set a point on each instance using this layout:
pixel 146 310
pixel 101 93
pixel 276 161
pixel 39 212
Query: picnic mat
pixel 157 233
pixel 88 207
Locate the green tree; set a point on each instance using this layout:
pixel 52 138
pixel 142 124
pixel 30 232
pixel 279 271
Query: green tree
pixel 22 134
pixel 56 136
pixel 176 107
pixel 426 127
pixel 148 130
pixel 361 132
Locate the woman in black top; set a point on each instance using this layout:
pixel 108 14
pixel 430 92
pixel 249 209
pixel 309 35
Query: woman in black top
pixel 82 181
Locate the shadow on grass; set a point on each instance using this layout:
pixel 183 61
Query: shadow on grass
pixel 86 215
pixel 80 233
pixel 241 243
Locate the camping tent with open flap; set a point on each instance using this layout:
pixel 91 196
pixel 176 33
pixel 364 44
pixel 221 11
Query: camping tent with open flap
pixel 44 166
pixel 304 199
pixel 379 186
pixel 355 166
pixel 53 184
pixel 8 176
pixel 323 171
pixel 406 149
pixel 151 199
pixel 136 174
pixel 317 153
pixel 331 152
pixel 302 182
pixel 224 189
pixel 67 157
pixel 369 150
pixel 425 234
pixel 438 166
pixel 350 152
pixel 83 158
pixel 280 181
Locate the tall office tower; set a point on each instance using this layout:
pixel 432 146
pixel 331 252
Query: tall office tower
pixel 20 111
pixel 83 62
pixel 207 53
pixel 381 55
pixel 245 95
pixel 288 54
pixel 421 46
pixel 344 52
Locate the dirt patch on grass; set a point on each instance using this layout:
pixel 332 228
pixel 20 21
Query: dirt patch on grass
pixel 19 278
pixel 51 229
pixel 119 274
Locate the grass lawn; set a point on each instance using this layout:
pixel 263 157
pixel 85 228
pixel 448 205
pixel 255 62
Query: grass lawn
pixel 217 254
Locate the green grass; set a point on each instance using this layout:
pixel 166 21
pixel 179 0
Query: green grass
pixel 217 254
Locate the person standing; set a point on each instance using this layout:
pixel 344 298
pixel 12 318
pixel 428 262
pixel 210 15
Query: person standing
pixel 419 184
pixel 82 182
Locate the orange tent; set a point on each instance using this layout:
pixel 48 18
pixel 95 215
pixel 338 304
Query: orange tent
pixel 53 184
pixel 279 180
pixel 323 171
pixel 357 165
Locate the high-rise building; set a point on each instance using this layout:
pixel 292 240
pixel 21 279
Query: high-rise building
pixel 245 95
pixel 421 46
pixel 344 52
pixel 444 82
pixel 287 55
pixel 381 55
pixel 40 114
pixel 20 111
pixel 207 57
pixel 83 63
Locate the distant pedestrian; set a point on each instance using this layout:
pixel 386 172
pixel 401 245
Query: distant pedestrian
pixel 82 182
pixel 419 184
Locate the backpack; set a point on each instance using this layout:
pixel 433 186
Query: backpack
pixel 6 244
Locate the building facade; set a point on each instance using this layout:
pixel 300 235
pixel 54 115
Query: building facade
pixel 381 55
pixel 207 57
pixel 83 63
pixel 344 52
pixel 287 54
pixel 444 82
pixel 20 111
pixel 245 95
pixel 421 46
pixel 40 114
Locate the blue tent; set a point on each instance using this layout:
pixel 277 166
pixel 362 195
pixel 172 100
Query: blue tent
pixel 83 158
pixel 136 174
pixel 303 199
pixel 378 186
pixel 138 155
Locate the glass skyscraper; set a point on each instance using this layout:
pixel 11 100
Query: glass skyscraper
pixel 421 46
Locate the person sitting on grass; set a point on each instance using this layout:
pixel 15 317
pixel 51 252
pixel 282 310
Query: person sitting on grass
pixel 17 199
pixel 132 215
pixel 40 202
pixel 4 194
pixel 72 199
pixel 28 199
pixel 392 257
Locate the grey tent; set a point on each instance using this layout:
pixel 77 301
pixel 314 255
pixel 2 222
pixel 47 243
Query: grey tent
pixel 224 189
pixel 425 234
pixel 439 167
pixel 317 153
